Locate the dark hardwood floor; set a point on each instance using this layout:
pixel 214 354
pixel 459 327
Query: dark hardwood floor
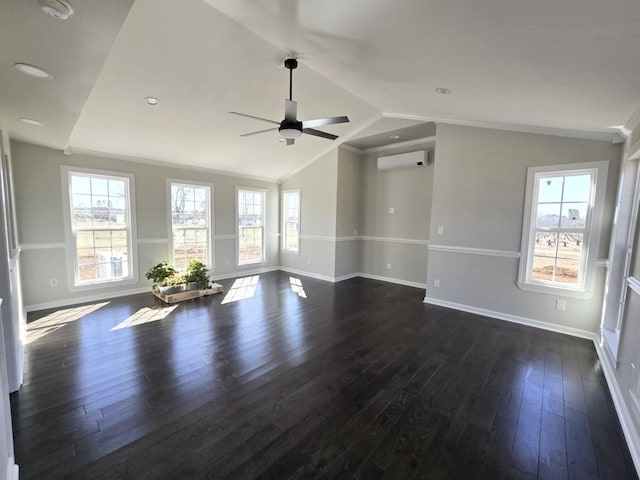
pixel 358 379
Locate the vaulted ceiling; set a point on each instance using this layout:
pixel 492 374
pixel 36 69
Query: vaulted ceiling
pixel 569 68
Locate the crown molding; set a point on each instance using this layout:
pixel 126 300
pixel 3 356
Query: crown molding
pixel 601 136
pixel 632 122
pixel 163 163
pixel 349 148
pixel 405 144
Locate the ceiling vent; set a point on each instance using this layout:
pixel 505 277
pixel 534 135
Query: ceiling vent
pixel 59 9
pixel 403 160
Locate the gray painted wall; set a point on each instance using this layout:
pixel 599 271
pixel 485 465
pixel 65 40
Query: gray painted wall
pixel 41 231
pixel 400 238
pixel 318 201
pixel 478 198
pixel 348 255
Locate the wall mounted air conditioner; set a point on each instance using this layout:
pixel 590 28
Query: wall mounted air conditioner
pixel 403 160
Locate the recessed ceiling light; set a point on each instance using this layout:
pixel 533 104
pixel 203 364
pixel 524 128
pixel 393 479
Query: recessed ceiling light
pixel 59 9
pixel 394 137
pixel 32 70
pixel 153 101
pixel 443 91
pixel 31 121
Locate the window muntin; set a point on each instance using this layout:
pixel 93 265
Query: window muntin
pixel 190 224
pixel 100 221
pixel 560 232
pixel 291 221
pixel 250 218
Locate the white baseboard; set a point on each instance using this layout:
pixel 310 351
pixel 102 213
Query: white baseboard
pixel 308 274
pixel 346 277
pixel 106 296
pixel 88 298
pixel 13 472
pixel 246 273
pixel 397 281
pixel 624 414
pixel 576 332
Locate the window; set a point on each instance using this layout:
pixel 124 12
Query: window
pixel 291 221
pixel 101 236
pixel 250 226
pixel 190 224
pixel 561 227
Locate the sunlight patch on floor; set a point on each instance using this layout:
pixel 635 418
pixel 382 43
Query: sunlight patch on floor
pixel 50 323
pixel 241 289
pixel 145 315
pixel 296 286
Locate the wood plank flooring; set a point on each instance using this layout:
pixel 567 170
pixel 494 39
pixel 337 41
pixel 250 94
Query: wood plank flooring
pixel 358 379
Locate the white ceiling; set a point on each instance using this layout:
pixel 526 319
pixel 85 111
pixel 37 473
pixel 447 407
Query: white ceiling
pixel 568 67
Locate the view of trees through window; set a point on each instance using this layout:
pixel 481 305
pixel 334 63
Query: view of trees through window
pixel 250 226
pixel 99 224
pixel 190 224
pixel 562 210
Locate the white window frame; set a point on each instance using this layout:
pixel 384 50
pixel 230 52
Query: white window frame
pixel 73 280
pixel 285 220
pixel 591 237
pixel 263 258
pixel 210 223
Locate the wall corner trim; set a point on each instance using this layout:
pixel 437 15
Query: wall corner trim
pixel 631 434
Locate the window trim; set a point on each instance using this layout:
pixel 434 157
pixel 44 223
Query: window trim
pixel 211 235
pixel 283 245
pixel 264 226
pixel 592 228
pixel 132 233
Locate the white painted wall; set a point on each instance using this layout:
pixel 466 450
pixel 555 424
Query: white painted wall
pixel 623 371
pixel 10 288
pixel 7 465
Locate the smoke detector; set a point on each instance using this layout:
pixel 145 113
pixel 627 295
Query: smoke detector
pixel 59 9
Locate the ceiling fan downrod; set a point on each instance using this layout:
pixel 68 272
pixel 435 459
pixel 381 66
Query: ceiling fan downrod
pixel 291 64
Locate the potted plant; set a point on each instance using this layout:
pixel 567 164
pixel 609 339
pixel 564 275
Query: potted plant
pixel 165 278
pixel 197 275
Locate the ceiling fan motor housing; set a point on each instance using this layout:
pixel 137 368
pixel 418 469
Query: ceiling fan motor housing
pixel 290 129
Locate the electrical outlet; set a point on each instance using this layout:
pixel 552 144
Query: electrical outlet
pixel 388 266
pixel 53 282
pixel 392 210
pixel 226 263
pixel 440 230
pixel 308 261
pixel 355 231
pixel 436 283
pixel 561 304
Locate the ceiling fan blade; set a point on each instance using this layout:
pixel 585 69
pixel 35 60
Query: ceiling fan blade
pixel 257 118
pixel 318 133
pixel 321 122
pixel 290 110
pixel 259 131
pixel 290 141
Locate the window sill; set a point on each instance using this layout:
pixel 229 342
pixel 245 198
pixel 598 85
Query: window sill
pixel 290 252
pixel 558 291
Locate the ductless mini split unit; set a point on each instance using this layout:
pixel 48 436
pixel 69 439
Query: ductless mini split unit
pixel 403 160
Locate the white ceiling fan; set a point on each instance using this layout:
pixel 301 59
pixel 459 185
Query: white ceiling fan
pixel 291 128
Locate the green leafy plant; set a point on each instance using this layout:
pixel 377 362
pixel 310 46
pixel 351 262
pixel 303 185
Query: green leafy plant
pixel 197 272
pixel 162 274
